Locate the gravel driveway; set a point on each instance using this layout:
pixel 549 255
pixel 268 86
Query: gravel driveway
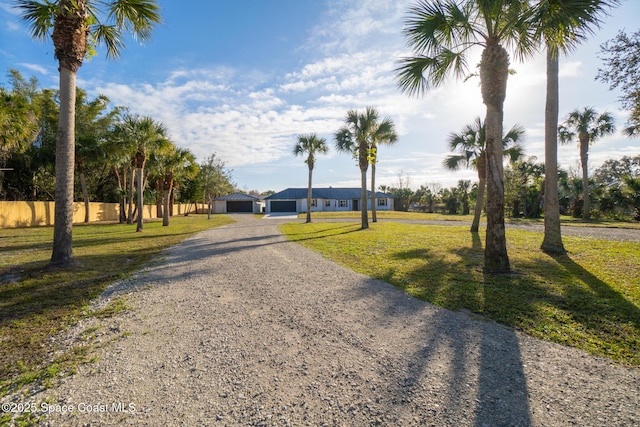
pixel 237 326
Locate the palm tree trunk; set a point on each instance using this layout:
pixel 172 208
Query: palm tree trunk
pixel 494 70
pixel 363 162
pixel 363 198
pixel 552 241
pixel 160 188
pixel 140 222
pixel 584 160
pixel 62 254
pixel 309 189
pixel 115 171
pixel 166 199
pixel 85 196
pixel 374 217
pixel 482 184
pixel 131 186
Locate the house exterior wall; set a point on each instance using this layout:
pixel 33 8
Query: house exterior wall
pixel 334 205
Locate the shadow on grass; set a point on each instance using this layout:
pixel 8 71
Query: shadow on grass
pixel 431 279
pixel 44 301
pixel 596 316
pixel 554 298
pixel 311 235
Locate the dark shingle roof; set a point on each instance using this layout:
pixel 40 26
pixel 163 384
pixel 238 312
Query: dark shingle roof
pixel 322 193
pixel 237 197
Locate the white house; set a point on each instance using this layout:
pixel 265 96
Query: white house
pixel 324 199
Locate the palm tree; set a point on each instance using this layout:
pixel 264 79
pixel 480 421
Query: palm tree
pixel 442 33
pixel 470 143
pixel 356 137
pixel 175 165
pixel 384 134
pixel 561 25
pixel 75 27
pixel 150 136
pixel 18 115
pixel 92 125
pixel 118 149
pixel 310 144
pixel 142 135
pixel 18 123
pixel 588 126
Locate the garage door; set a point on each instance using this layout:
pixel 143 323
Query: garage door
pixel 283 206
pixel 239 206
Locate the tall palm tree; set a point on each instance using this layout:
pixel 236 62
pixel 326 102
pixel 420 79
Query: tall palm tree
pixel 442 33
pixel 92 124
pixel 562 25
pixel 384 134
pixel 175 165
pixel 118 150
pixel 310 144
pixel 470 143
pixel 143 135
pixel 587 126
pixel 356 137
pixel 150 136
pixel 76 26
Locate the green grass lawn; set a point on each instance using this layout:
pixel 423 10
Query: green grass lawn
pixel 589 299
pixel 40 302
pixel 565 220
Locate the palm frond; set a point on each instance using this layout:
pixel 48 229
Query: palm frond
pixel 565 135
pixel 564 24
pixel 385 133
pixel 514 136
pixel 453 162
pixel 416 75
pixel 111 36
pixel 632 131
pixel 39 16
pixel 310 143
pixel 512 20
pixel 136 16
pixel 440 33
pixel 344 141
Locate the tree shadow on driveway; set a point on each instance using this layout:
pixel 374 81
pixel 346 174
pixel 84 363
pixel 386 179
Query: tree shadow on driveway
pixel 468 367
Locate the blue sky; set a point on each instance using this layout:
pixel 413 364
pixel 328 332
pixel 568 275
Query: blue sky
pixel 243 78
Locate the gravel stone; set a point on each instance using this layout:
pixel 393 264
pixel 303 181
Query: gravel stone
pixel 238 327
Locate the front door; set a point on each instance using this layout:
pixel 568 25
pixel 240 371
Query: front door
pixel 355 204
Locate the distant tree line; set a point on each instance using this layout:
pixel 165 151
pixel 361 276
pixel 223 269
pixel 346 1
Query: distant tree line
pixel 614 192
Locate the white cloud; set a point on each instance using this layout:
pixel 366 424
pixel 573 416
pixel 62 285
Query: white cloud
pixel 35 67
pixel 12 26
pixel 570 69
pixel 351 26
pixel 9 8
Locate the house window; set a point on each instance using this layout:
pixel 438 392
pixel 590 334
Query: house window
pixel 343 203
pixel 327 203
pixel 314 203
pixel 382 202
